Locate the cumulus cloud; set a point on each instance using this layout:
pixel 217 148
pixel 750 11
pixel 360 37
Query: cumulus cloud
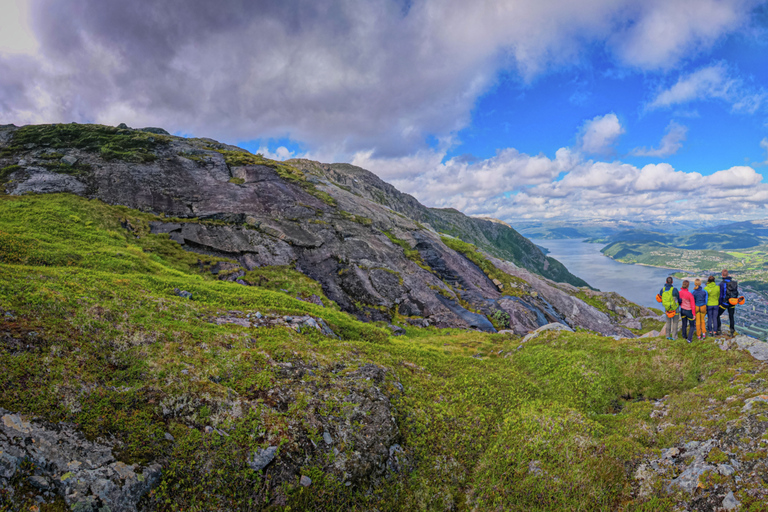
pixel 662 32
pixel 598 135
pixel 711 82
pixel 513 186
pixel 380 74
pixel 670 144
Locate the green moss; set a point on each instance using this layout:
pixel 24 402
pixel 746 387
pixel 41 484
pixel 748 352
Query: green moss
pixel 360 219
pixel 410 253
pixel 284 278
pixel 5 172
pixel 285 171
pixel 511 285
pixel 716 456
pixel 111 143
pixel 237 181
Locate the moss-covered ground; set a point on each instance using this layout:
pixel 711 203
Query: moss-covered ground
pixel 92 333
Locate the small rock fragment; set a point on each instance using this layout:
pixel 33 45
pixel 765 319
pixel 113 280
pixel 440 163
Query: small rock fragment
pixel 305 481
pixel 730 502
pixel 69 160
pixel 327 438
pixel 261 458
pixel 182 293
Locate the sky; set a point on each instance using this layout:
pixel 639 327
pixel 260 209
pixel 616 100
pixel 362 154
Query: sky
pixel 551 110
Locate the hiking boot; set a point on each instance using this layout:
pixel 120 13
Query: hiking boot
pixel 732 333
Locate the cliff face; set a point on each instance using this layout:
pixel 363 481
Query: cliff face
pixel 495 238
pixel 376 252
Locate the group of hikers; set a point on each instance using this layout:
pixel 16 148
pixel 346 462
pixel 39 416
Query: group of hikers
pixel 709 302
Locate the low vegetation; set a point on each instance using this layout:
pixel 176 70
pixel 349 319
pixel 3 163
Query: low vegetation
pixel 110 142
pixel 511 285
pixel 92 333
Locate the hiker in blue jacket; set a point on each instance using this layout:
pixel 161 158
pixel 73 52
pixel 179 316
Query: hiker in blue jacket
pixel 700 296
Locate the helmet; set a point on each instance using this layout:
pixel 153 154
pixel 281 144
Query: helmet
pixel 733 301
pixel 658 298
pixel 671 314
pixel 741 300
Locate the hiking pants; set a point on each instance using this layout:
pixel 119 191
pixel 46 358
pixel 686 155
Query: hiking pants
pixel 731 313
pixel 713 321
pixel 672 324
pixel 689 323
pixel 701 314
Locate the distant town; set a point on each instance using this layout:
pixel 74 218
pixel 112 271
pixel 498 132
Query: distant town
pixel 752 317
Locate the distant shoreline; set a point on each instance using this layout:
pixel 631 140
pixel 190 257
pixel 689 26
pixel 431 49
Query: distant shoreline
pixel 645 264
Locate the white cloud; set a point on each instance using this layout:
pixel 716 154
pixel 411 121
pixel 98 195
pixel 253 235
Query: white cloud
pixel 664 32
pixel 711 82
pixel 16 37
pixel 670 144
pixel 598 135
pixel 514 186
pixel 378 74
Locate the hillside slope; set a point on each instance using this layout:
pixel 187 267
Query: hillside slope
pixel 217 200
pixel 133 378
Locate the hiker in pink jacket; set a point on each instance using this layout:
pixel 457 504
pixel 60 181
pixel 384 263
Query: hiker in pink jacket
pixel 687 307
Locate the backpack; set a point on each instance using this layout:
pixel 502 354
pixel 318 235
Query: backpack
pixel 668 299
pixel 732 289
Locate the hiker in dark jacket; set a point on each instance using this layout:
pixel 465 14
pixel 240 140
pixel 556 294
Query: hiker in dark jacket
pixel 725 305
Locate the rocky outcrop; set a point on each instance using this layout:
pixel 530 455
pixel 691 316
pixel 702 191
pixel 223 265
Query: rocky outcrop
pixel 716 473
pixel 57 461
pixel 495 237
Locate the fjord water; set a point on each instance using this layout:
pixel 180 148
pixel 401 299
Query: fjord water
pixel 635 282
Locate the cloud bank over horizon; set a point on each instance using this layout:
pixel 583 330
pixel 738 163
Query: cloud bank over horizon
pixel 398 87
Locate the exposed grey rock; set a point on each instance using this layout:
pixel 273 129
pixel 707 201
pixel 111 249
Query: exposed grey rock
pixel 730 502
pixel 748 404
pixel 78 470
pixel 689 479
pixel 574 311
pixel 40 482
pixel 725 469
pixel 632 324
pixel 548 327
pixel 182 293
pixel 396 330
pixel 327 438
pixel 40 181
pixel 758 349
pixel 69 160
pixel 305 481
pixel 261 458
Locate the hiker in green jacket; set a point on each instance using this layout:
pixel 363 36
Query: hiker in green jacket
pixel 670 299
pixel 713 305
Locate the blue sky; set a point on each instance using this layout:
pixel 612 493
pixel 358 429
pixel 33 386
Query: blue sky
pixel 554 110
